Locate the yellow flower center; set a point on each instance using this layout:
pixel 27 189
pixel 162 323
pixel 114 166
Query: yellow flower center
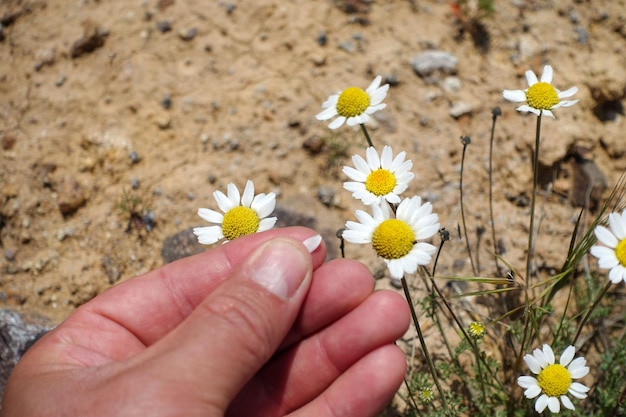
pixel 380 182
pixel 476 329
pixel 240 221
pixel 542 96
pixel 393 239
pixel 554 380
pixel 620 252
pixel 352 102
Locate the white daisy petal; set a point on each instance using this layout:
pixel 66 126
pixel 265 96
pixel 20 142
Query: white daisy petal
pixel 386 157
pixel 533 364
pixel 617 226
pixel 372 158
pixel 541 403
pixel 606 256
pixel 208 235
pixel 546 76
pixel 616 274
pixel 531 78
pixel 554 405
pixel 605 236
pixel 524 108
pixel 337 123
pixel 210 216
pixel 567 355
pixel 327 113
pixel 578 368
pixel 567 403
pixel 395 269
pixel 356 120
pixel 233 194
pixel 267 223
pixel 532 391
pixel 527 382
pixel 248 194
pixel 548 113
pixel 265 205
pixel 516 96
pixel 223 202
pixel 578 390
pixel 354 174
pixel 568 93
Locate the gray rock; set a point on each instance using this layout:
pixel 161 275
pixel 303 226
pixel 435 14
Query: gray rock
pixel 428 63
pixel 180 245
pixel 459 109
pixel 17 333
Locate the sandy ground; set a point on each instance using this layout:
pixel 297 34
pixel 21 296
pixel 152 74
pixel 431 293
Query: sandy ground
pixel 153 105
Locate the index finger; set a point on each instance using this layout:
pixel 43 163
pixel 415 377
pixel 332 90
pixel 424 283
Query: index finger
pixel 153 304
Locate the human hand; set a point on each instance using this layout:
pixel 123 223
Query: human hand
pixel 203 337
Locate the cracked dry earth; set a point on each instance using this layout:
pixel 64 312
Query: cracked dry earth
pixel 153 105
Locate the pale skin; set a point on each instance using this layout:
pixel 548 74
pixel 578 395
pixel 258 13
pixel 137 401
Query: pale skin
pixel 200 337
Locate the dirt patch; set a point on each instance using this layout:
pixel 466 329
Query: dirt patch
pixel 154 105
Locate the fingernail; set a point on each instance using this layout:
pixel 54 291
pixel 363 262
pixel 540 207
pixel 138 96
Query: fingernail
pixel 280 268
pixel 312 243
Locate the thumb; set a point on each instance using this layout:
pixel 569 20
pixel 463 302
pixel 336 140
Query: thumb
pixel 239 326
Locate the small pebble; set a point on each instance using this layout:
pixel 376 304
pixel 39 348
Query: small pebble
pixel 149 220
pixel 134 183
pixel 164 26
pixel 326 195
pixel 347 46
pixel 134 157
pixel 322 39
pixel 60 80
pixel 187 34
pixel 166 101
pixel 9 254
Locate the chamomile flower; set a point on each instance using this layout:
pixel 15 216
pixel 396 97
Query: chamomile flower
pixel 554 380
pixel 353 105
pixel 378 178
pixel 541 96
pixel 476 330
pixel 397 240
pixel 612 256
pixel 243 215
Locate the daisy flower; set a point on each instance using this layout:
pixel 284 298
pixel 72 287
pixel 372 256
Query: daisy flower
pixel 378 178
pixel 476 330
pixel 612 256
pixel 243 215
pixel 397 240
pixel 353 105
pixel 540 96
pixel 554 380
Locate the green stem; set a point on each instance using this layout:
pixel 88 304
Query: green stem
pixel 496 112
pixel 590 310
pixel 480 371
pixel 429 361
pixel 466 141
pixel 529 254
pixel 367 135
